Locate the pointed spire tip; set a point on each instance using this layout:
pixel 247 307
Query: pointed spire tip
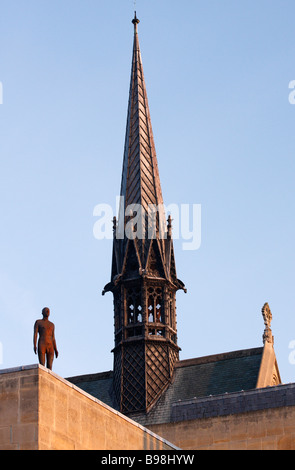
pixel 135 20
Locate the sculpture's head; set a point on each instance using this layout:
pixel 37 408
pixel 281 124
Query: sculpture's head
pixel 46 312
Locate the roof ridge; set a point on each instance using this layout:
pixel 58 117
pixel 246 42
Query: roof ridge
pixel 219 357
pixel 90 377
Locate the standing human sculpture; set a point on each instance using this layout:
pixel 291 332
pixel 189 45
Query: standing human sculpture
pixel 46 343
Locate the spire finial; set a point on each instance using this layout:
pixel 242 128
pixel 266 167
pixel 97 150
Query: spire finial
pixel 135 21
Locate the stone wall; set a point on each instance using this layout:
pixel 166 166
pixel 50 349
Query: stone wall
pixel 260 419
pixel 40 410
pixel 19 409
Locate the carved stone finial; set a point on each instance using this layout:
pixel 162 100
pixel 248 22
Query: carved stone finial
pixel 267 317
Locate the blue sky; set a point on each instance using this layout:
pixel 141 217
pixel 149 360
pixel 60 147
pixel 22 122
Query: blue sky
pixel 217 75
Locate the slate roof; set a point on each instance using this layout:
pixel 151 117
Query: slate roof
pixel 193 378
pixel 99 385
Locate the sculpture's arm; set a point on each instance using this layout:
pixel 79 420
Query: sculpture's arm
pixel 35 336
pixel 54 343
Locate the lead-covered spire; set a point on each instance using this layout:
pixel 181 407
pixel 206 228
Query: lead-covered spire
pixel 143 279
pixel 143 244
pixel 140 176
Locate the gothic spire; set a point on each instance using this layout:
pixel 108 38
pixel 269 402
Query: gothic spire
pixel 143 279
pixel 140 176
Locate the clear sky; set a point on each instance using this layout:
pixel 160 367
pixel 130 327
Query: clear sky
pixel 217 76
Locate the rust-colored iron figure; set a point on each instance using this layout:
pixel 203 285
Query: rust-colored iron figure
pixel 46 343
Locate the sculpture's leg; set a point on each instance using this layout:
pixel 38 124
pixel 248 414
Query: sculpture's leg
pixel 49 359
pixel 41 356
